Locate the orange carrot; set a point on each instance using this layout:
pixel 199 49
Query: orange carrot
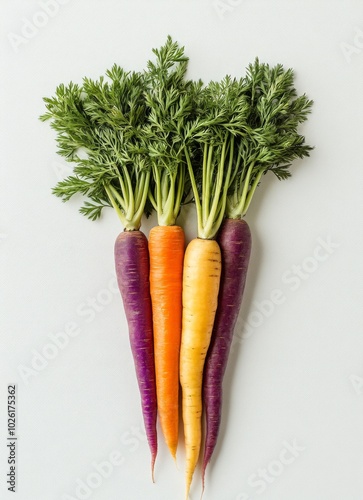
pixel 170 102
pixel 166 248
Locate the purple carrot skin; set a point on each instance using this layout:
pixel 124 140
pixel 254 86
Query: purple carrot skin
pixel 234 239
pixel 132 270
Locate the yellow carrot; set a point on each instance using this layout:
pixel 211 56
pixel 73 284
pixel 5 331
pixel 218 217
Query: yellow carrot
pixel 202 269
pixel 209 180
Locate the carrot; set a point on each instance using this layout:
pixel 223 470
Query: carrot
pixel 234 239
pixel 132 271
pixel 210 167
pixel 166 247
pixel 273 113
pixel 202 268
pixel 209 180
pixel 105 121
pixel 169 100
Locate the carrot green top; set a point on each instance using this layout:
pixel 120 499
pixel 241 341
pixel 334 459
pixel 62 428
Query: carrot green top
pixel 99 128
pixel 245 128
pixel 170 100
pixel 126 134
pixel 222 113
pixel 270 141
pixel 144 139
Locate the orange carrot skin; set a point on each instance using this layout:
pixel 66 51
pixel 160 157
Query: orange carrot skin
pixel 166 249
pixel 132 270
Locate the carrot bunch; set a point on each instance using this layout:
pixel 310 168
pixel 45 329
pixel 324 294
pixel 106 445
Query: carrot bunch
pixel 154 140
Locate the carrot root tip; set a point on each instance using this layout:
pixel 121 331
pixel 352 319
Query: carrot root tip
pixel 152 469
pixel 175 460
pixel 203 485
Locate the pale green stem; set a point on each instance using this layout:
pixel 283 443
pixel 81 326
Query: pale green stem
pixel 240 189
pixel 223 201
pixel 235 195
pixel 167 217
pixel 158 189
pixel 119 198
pixel 116 207
pixel 195 191
pixel 204 182
pixel 228 205
pixel 208 182
pixel 152 200
pixel 137 217
pixel 235 170
pixel 239 208
pixel 219 182
pixel 252 192
pixel 139 189
pixel 179 194
pixel 131 204
pixel 165 185
pixel 242 176
pixel 123 188
pixel 229 171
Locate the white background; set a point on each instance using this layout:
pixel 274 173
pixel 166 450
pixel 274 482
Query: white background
pixel 298 373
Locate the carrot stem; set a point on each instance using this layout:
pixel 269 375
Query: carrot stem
pixel 131 205
pixel 156 175
pixel 207 179
pixel 140 211
pixel 236 211
pixel 251 192
pixel 152 201
pixel 140 187
pixel 223 201
pixel 115 206
pixel 218 187
pixel 180 190
pixel 194 189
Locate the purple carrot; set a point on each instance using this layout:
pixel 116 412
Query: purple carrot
pixel 132 270
pixel 234 239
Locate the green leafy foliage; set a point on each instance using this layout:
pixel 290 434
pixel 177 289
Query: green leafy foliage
pixel 271 142
pixel 245 127
pixel 171 100
pixel 143 140
pixel 99 129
